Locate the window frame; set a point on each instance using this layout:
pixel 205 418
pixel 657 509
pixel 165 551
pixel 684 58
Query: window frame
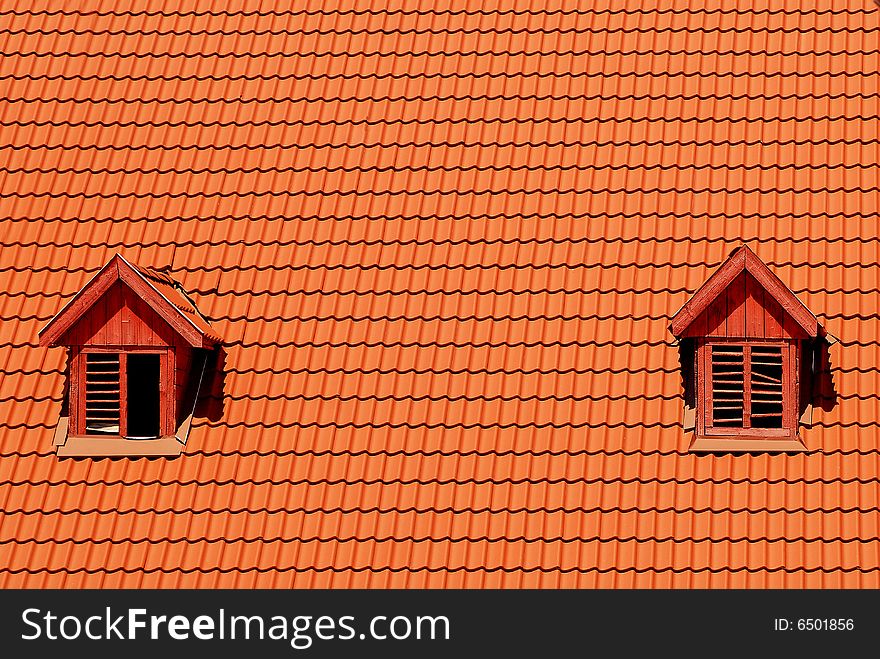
pixel 167 384
pixel 790 396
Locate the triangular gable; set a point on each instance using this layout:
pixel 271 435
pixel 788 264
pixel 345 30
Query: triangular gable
pixel 194 331
pixel 742 260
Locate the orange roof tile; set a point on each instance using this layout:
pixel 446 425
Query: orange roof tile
pixel 442 248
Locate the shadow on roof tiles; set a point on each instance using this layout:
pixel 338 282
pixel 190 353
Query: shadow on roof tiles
pixel 823 390
pixel 211 402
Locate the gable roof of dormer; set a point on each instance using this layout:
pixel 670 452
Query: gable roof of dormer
pixel 743 259
pixel 157 289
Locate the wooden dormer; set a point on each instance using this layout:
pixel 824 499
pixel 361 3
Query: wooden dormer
pixel 137 348
pixel 750 374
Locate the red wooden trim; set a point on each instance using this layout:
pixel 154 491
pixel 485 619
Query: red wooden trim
pixel 737 341
pixel 747 387
pixel 129 349
pixel 704 400
pixel 163 396
pixel 790 398
pixel 167 389
pixel 743 259
pixel 707 383
pixel 123 394
pixel 171 381
pixel 77 400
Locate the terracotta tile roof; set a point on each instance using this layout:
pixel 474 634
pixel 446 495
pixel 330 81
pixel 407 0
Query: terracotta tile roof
pixel 443 249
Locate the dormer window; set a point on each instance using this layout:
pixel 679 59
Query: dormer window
pixel 137 348
pixel 750 339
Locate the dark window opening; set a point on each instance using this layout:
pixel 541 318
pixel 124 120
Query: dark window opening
pixel 143 398
pixel 102 394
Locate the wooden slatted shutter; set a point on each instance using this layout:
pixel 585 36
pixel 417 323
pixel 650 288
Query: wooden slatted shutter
pixel 766 386
pixel 749 389
pixel 728 386
pixel 103 378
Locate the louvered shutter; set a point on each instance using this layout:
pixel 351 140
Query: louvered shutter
pixel 102 393
pixel 766 386
pixel 728 386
